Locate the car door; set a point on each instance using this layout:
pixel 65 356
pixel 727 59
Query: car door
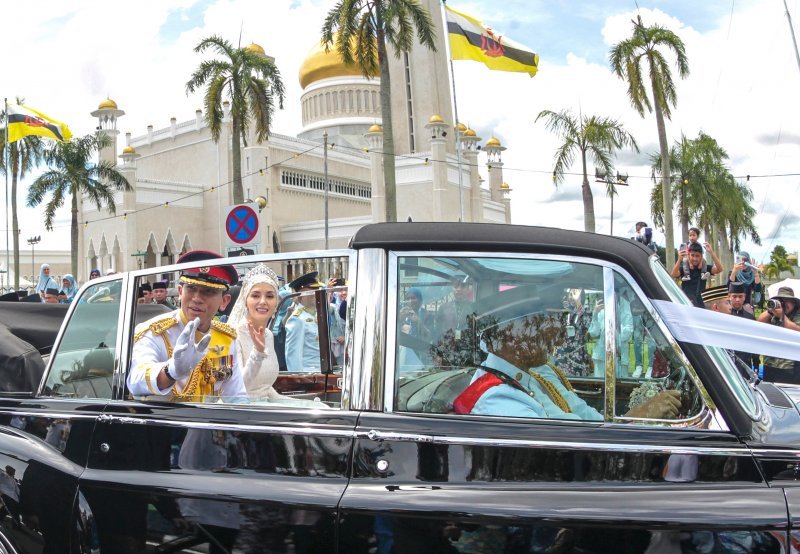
pixel 225 475
pixel 588 464
pixel 46 436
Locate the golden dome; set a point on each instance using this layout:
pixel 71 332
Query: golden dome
pixel 375 128
pixel 129 150
pixel 493 142
pixel 320 65
pixel 505 186
pixel 461 127
pixel 436 118
pixel 107 104
pixel 469 133
pixel 255 49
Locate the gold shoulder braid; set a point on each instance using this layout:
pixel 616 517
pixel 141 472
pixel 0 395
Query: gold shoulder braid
pixel 158 327
pixel 224 328
pixel 552 391
pixel 561 377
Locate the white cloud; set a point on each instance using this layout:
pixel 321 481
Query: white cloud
pixel 742 88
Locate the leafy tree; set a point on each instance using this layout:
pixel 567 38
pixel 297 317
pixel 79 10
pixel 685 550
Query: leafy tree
pixel 23 156
pixel 627 59
pixel 778 262
pixel 361 31
pixel 72 173
pixel 588 137
pixel 250 80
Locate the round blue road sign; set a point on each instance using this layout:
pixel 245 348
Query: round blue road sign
pixel 242 224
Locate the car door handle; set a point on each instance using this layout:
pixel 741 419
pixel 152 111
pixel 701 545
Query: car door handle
pixel 375 435
pixel 107 418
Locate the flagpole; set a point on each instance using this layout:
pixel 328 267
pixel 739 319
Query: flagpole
pixel 455 115
pixel 5 151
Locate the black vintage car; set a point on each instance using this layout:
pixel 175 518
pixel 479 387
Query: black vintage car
pixel 501 389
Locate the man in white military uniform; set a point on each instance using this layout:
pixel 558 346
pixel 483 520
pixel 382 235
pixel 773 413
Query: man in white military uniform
pixel 186 355
pixel 302 331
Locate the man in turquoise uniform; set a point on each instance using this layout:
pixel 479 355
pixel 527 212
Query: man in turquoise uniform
pixel 302 331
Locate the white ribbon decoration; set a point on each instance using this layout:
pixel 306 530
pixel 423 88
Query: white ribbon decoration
pixel 710 328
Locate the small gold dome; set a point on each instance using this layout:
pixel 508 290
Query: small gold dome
pixel 505 186
pixel 461 127
pixel 107 104
pixel 493 142
pixel 436 118
pixel 469 133
pixel 375 128
pixel 129 150
pixel 255 49
pixel 320 65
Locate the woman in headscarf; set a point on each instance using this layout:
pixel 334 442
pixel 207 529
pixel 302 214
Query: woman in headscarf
pixel 68 289
pixel 45 281
pixel 253 309
pixel 746 273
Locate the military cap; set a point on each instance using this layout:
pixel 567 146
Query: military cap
pixel 159 285
pixel 216 277
pixel 307 281
pixel 735 287
pixel 715 293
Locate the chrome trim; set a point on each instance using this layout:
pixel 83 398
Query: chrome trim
pixel 279 430
pixel 393 290
pixel 368 341
pixel 610 332
pixel 773 453
pixel 611 447
pixel 348 369
pixel 57 415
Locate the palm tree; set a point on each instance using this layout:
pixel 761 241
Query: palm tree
pixel 23 156
pixel 250 80
pixel 626 60
pixel 778 262
pixel 360 31
pixel 72 173
pixel 594 137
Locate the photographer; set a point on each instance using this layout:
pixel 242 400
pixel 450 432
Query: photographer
pixel 699 271
pixel 644 234
pixel 782 310
pixel 746 273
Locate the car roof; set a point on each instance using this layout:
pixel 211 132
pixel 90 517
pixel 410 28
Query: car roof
pixel 487 237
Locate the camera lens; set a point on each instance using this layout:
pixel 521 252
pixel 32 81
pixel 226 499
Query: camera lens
pixel 772 304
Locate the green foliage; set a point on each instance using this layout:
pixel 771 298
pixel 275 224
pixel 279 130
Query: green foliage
pixel 72 173
pixel 360 31
pixel 778 263
pixel 250 81
pixel 597 138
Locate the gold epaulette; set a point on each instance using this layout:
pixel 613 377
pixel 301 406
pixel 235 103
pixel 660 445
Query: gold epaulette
pixel 158 327
pixel 297 311
pixel 223 328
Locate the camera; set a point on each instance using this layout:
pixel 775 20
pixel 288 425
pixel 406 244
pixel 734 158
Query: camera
pixel 772 304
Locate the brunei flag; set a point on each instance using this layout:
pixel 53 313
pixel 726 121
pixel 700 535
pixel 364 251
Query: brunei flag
pixel 472 40
pixel 24 121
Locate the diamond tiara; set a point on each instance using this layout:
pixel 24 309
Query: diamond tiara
pixel 258 271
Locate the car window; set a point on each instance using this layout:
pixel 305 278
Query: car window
pixel 518 338
pixel 284 365
pixel 647 369
pixel 82 365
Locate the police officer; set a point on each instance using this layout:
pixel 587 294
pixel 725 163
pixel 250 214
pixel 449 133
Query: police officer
pixel 186 355
pixel 302 331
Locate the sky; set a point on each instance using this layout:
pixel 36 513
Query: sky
pixel 742 88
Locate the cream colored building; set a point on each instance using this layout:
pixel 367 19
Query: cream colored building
pixel 181 176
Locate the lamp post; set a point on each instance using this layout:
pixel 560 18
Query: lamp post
pixel 33 241
pixel 139 255
pixel 600 176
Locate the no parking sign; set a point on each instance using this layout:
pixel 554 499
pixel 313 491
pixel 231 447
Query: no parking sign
pixel 242 226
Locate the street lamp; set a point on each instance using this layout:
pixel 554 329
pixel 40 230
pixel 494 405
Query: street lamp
pixel 600 176
pixel 139 255
pixel 33 241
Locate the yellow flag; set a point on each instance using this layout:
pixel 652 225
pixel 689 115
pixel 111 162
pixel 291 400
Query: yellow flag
pixel 472 40
pixel 24 121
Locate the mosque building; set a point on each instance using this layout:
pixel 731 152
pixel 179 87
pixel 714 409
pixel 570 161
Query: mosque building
pixel 180 176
